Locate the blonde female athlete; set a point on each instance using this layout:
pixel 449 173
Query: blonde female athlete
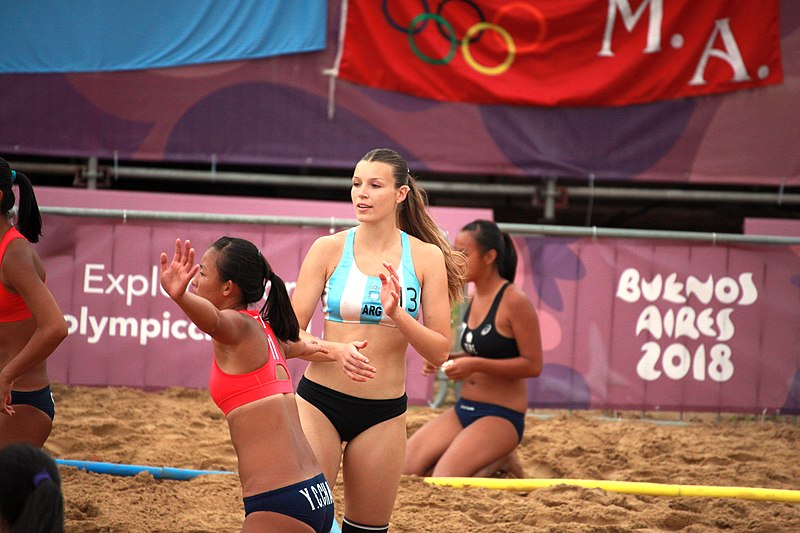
pixel 502 349
pixel 375 281
pixel 31 323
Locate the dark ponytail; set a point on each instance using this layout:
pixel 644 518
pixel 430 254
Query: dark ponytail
pixel 508 268
pixel 30 491
pixel 241 262
pixel 29 220
pixel 489 237
pixel 278 310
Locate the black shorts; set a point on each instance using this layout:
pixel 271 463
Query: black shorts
pixel 350 415
pixel 41 399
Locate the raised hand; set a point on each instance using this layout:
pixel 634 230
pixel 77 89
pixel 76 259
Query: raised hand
pixel 305 348
pixel 390 290
pixel 178 273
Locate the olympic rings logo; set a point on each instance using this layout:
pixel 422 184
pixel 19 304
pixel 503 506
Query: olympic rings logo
pixel 472 35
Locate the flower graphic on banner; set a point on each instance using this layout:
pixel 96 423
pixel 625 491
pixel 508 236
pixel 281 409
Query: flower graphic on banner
pixel 551 259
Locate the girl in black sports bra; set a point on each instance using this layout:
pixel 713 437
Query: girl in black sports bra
pixel 502 349
pixel 485 340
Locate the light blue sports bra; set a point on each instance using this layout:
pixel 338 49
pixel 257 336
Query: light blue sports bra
pixel 353 297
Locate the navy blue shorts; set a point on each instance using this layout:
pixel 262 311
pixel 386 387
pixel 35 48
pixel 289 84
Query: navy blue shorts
pixel 468 412
pixel 350 415
pixel 310 501
pixel 41 399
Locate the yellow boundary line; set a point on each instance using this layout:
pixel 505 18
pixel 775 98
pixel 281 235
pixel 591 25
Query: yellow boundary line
pixel 626 487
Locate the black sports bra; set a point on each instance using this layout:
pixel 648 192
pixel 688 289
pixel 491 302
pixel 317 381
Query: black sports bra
pixel 485 341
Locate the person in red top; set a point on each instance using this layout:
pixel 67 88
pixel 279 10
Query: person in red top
pixel 283 486
pixel 31 323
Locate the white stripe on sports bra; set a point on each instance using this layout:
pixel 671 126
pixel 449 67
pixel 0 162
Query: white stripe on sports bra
pixel 353 297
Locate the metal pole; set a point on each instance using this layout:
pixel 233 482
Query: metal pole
pixel 595 232
pixel 177 216
pixel 515 229
pixel 550 195
pixel 91 173
pixel 680 195
pixel 478 189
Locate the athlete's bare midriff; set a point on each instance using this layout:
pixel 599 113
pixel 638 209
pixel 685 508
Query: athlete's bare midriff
pixel 386 351
pixel 485 388
pixel 13 338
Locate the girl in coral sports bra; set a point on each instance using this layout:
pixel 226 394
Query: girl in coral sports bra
pixel 31 323
pixel 282 483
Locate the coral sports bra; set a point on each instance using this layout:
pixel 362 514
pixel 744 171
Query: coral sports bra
pixel 230 391
pixel 12 306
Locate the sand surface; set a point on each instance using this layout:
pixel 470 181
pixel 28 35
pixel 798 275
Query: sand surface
pixel 183 428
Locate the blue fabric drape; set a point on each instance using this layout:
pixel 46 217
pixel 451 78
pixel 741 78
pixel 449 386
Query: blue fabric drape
pixel 38 36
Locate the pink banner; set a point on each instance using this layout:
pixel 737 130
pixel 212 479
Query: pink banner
pixel 626 324
pixel 123 330
pixel 634 324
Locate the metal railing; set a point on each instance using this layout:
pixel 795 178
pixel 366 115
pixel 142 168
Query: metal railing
pixel 513 229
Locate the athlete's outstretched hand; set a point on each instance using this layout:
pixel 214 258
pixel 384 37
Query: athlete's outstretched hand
pixel 303 348
pixel 176 274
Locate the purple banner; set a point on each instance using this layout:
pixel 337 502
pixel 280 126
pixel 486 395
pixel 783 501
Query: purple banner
pixel 178 114
pixel 633 324
pixel 123 329
pixel 626 324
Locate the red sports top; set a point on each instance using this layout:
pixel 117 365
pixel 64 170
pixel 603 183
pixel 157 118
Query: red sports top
pixel 12 306
pixel 230 391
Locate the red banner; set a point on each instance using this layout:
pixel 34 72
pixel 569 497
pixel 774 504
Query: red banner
pixel 562 52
